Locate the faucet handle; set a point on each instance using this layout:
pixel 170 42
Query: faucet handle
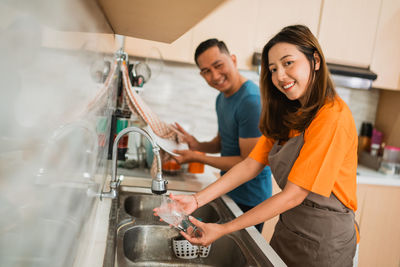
pixel 119 180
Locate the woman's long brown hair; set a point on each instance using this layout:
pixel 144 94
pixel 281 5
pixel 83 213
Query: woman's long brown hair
pixel 279 114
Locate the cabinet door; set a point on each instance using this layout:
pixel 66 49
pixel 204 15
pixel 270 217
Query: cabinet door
pixel 386 58
pixel 379 217
pixel 274 15
pixel 347 30
pixel 178 50
pixel 234 23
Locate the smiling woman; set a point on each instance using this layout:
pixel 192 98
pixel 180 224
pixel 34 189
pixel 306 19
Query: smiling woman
pixel 290 70
pixel 310 142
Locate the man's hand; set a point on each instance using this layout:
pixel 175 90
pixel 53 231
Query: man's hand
pixel 186 156
pixel 188 138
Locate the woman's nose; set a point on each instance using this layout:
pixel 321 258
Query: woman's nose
pixel 280 74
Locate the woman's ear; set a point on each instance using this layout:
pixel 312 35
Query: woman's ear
pixel 317 61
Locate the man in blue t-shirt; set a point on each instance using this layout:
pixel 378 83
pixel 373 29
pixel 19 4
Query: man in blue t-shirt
pixel 238 110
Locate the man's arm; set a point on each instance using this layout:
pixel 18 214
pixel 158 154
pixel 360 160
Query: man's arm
pixel 213 146
pixel 222 163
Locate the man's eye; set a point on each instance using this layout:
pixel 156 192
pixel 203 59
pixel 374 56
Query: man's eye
pixel 219 66
pixel 205 72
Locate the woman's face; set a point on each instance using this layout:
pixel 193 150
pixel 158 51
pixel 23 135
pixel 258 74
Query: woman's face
pixel 290 70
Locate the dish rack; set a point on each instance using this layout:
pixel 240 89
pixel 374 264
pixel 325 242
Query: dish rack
pixel 183 249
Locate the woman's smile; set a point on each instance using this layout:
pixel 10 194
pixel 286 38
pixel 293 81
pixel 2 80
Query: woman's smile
pixel 290 70
pixel 288 86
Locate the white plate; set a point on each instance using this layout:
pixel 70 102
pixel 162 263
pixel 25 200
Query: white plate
pixel 167 145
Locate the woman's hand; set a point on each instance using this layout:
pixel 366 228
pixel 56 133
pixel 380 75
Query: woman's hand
pixel 187 202
pixel 206 233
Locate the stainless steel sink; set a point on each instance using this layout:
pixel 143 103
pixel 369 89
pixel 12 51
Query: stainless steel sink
pixel 137 238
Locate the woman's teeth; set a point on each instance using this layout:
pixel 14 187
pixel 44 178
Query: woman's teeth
pixel 288 85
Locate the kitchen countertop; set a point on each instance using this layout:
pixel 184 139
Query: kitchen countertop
pixel 366 175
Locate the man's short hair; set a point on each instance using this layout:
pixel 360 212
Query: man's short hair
pixel 203 46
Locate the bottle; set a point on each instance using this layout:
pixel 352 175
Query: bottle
pixel 376 142
pixel 364 140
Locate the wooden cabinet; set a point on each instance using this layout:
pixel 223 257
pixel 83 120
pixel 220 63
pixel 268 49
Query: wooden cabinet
pixel 272 16
pixel 357 32
pixel 234 23
pixel 347 30
pixel 244 25
pixel 378 215
pixel 179 50
pixel 386 56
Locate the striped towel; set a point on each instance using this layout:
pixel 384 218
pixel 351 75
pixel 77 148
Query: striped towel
pixel 139 107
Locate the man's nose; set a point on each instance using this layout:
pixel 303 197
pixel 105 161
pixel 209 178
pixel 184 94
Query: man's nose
pixel 215 74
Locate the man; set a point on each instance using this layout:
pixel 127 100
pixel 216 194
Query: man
pixel 238 110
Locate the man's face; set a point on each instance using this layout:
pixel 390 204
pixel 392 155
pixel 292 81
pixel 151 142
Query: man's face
pixel 219 70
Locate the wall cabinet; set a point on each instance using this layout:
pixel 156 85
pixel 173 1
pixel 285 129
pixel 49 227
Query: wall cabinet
pixel 386 57
pixel 357 32
pixel 179 50
pixel 272 16
pixel 245 26
pixel 234 23
pixel 347 30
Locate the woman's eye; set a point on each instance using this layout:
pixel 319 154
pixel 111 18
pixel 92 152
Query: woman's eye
pixel 272 70
pixel 287 63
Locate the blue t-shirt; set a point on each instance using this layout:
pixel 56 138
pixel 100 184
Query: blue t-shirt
pixel 238 116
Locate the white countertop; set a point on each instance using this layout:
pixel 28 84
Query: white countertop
pixel 366 175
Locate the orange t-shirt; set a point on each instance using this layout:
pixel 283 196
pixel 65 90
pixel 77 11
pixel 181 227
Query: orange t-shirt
pixel 327 162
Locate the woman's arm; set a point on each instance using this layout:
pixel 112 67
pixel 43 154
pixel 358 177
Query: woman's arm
pixel 239 174
pixel 290 197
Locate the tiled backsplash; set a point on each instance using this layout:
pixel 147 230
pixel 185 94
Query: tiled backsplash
pixel 178 93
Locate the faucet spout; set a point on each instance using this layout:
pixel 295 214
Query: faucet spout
pixel 158 185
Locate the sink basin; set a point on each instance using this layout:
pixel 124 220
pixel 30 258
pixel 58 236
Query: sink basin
pixel 151 244
pixel 141 206
pixel 137 238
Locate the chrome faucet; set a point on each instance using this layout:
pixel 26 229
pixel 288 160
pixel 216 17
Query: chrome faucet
pixel 158 184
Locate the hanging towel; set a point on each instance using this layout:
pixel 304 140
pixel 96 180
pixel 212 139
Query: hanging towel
pixel 138 106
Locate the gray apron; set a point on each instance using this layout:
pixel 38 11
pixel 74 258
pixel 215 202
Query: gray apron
pixel 318 232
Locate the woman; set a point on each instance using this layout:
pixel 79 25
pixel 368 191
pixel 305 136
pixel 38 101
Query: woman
pixel 310 142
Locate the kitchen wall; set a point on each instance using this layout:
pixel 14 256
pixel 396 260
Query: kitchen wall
pixel 178 93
